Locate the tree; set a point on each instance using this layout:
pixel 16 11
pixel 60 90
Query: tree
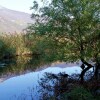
pixel 75 26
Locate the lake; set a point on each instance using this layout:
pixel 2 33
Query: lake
pixel 19 78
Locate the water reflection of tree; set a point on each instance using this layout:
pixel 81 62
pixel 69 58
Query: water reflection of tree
pixel 21 65
pixel 16 66
pixel 24 96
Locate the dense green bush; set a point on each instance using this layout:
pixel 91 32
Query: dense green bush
pixel 78 93
pixel 22 44
pixel 6 50
pixel 42 45
pixel 13 44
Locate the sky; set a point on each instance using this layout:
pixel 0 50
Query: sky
pixel 18 5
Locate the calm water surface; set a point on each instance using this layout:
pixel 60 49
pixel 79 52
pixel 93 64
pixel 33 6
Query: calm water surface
pixel 19 81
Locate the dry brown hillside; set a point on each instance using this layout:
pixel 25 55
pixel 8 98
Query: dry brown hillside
pixel 11 21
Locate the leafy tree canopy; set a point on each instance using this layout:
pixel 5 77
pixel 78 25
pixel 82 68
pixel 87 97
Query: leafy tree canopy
pixel 73 24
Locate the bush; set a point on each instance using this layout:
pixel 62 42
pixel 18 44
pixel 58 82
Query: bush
pixel 78 93
pixel 13 44
pixel 6 50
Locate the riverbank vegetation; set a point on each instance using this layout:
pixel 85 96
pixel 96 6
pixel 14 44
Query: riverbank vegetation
pixel 63 87
pixel 19 44
pixel 12 45
pixel 66 30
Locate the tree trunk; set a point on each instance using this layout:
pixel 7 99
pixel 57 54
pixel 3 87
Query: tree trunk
pixel 85 69
pixel 96 73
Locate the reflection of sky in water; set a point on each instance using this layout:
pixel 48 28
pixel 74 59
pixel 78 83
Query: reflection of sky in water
pixel 21 84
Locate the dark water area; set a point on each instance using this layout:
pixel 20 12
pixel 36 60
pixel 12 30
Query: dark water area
pixel 19 78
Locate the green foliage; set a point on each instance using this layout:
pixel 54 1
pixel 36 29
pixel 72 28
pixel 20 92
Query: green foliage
pixel 43 46
pixel 6 50
pixel 80 93
pixel 74 24
pixel 13 44
pixel 55 86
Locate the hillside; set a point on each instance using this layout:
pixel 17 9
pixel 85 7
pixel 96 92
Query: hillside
pixel 11 21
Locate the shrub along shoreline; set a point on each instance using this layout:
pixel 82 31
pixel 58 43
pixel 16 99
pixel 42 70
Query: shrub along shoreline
pixel 21 44
pixel 12 45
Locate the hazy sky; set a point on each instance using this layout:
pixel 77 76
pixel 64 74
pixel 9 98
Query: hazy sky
pixel 19 5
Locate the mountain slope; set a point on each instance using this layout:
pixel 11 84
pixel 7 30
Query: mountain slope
pixel 11 21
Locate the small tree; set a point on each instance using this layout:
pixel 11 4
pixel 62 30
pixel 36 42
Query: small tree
pixel 75 26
